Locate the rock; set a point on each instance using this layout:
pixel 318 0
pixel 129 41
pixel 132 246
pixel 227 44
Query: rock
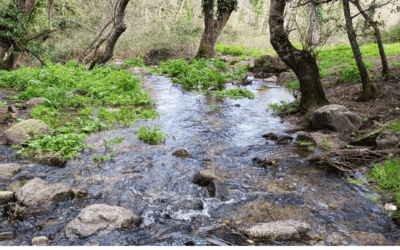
pixel 13 109
pixel 7 236
pixel 44 157
pixel 213 88
pixel 80 193
pixel 284 76
pixel 3 113
pixel 390 207
pixel 387 140
pixel 14 211
pixel 14 186
pixel 283 140
pixel 216 186
pixel 181 153
pixel 8 170
pixel 270 136
pixel 100 219
pixel 266 163
pixel 5 197
pixel 40 241
pixel 12 117
pixel 140 71
pixel 219 54
pixel 271 79
pixel 269 64
pixel 335 117
pixel 23 131
pixel 295 129
pixel 38 192
pixel 34 102
pixel 277 230
pixel 246 82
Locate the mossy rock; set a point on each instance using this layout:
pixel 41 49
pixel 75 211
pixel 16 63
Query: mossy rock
pixel 14 186
pixel 368 139
pixel 26 130
pixel 44 157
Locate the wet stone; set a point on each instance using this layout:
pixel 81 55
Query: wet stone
pixel 8 170
pixel 40 241
pixel 284 140
pixel 181 153
pixel 80 193
pixel 270 136
pixel 5 197
pixel 277 230
pixel 216 186
pixel 100 219
pixel 23 131
pixel 7 236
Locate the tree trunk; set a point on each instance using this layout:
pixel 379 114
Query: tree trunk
pixel 303 63
pixel 313 38
pixel 369 90
pixel 213 28
pixel 119 28
pixel 50 4
pixel 374 25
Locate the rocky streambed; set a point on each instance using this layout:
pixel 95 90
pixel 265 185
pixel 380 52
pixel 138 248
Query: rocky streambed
pixel 213 191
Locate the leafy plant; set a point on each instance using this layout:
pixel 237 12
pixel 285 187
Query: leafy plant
pixel 349 146
pixel 365 118
pixel 110 143
pixel 351 73
pixel 135 62
pixel 326 142
pixel 233 93
pixel 220 64
pixel 151 135
pixel 283 106
pixel 102 158
pixel 311 148
pixel 304 143
pixel 3 103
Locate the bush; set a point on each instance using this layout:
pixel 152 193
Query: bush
pixel 151 136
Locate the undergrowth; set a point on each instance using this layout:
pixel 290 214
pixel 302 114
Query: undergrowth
pixel 70 96
pixel 150 135
pixel 387 176
pixel 283 106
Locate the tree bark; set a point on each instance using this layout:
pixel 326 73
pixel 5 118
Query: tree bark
pixel 303 63
pixel 313 38
pixel 369 90
pixel 119 28
pixel 374 25
pixel 213 27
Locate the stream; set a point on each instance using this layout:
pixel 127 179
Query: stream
pixel 222 135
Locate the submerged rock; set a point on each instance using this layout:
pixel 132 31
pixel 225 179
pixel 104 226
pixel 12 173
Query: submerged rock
pixel 38 192
pixel 180 153
pixel 334 117
pixel 5 197
pixel 8 170
pixel 26 130
pixel 270 136
pixel 277 230
pixel 44 157
pixel 100 219
pixel 216 186
pixel 283 140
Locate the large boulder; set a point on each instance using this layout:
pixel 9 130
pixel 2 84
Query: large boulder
pixel 25 130
pixel 277 230
pixel 100 219
pixel 387 140
pixel 38 192
pixel 44 157
pixel 269 64
pixel 8 170
pixel 216 186
pixel 334 117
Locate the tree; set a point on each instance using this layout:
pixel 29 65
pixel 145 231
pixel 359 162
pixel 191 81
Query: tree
pixel 214 23
pixel 369 90
pixel 119 28
pixel 369 19
pixel 302 62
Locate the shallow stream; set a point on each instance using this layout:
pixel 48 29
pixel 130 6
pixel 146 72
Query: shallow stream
pixel 224 136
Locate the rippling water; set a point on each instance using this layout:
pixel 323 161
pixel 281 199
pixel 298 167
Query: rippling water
pixel 157 186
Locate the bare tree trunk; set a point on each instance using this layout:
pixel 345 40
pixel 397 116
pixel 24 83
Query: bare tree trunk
pixel 313 38
pixel 303 63
pixel 119 28
pixel 213 27
pixel 50 4
pixel 369 90
pixel 374 25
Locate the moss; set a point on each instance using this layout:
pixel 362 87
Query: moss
pixel 16 185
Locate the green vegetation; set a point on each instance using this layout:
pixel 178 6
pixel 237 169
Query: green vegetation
pixel 233 93
pixel 292 84
pixel 219 64
pixel 102 158
pixel 387 176
pixel 326 142
pixel 240 51
pixel 311 148
pixel 351 73
pixel 110 143
pixel 3 103
pixel 66 90
pixel 355 182
pixel 304 143
pixel 151 135
pixel 396 64
pixel 394 126
pixel 349 146
pixel 212 107
pixel 373 198
pixel 283 106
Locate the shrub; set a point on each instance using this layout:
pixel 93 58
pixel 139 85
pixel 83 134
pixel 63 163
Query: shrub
pixel 151 135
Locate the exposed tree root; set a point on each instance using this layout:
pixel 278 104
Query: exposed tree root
pixel 349 160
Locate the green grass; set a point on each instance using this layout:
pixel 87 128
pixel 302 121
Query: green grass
pixel 219 64
pixel 373 198
pixel 387 176
pixel 394 126
pixel 327 144
pixel 71 94
pixel 352 73
pixel 242 52
pixel 396 64
pixel 152 136
pixel 3 104
pixel 355 182
pixel 283 106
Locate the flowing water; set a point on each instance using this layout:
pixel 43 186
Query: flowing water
pixel 223 136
